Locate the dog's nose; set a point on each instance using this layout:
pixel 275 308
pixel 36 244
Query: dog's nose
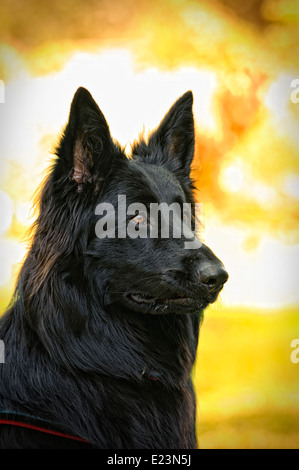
pixel 213 276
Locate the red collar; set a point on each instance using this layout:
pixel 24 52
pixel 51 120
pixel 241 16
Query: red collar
pixel 14 418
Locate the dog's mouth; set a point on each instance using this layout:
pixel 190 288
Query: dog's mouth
pixel 148 299
pixel 178 303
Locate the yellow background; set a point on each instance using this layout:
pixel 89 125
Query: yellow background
pixel 241 60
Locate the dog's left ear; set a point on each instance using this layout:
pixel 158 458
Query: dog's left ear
pixel 175 136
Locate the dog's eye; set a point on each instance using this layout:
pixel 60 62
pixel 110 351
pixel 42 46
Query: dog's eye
pixel 139 219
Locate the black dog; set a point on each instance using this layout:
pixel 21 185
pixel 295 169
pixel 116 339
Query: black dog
pixel 102 332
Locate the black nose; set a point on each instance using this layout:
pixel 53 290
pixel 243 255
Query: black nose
pixel 213 276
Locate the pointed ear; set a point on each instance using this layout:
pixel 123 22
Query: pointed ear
pixel 86 150
pixel 175 136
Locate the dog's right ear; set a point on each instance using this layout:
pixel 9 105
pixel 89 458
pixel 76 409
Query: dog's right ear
pixel 86 150
pixel 172 143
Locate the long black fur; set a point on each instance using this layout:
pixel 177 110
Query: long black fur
pixel 78 351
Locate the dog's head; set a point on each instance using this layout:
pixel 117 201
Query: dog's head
pixel 140 241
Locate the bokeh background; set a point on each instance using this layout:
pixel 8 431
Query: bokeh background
pixel 241 60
